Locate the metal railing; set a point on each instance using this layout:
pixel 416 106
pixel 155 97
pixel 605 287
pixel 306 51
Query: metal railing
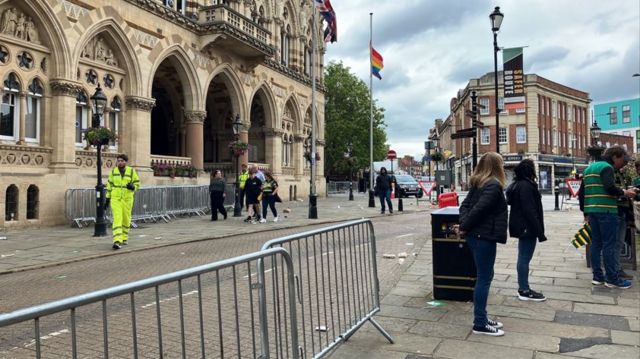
pixel 155 203
pixel 338 279
pixel 206 311
pixel 336 187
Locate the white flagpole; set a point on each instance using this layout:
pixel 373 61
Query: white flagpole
pixel 313 209
pixel 371 178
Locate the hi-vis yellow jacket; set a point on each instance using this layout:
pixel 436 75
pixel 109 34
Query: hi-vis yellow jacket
pixel 117 184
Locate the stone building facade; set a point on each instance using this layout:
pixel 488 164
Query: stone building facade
pixel 552 129
pixel 176 74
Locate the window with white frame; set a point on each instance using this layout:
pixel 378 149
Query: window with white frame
pixel 569 112
pixel 32 116
pixel 10 109
pixel 613 115
pixel 503 135
pixel 521 134
pixel 553 109
pixel 82 116
pixel 626 133
pixel 501 105
pixel 484 136
pixel 626 113
pixel 542 140
pixel 114 117
pixel 547 137
pixel 484 101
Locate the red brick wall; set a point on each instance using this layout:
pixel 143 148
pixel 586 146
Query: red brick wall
pixel 617 140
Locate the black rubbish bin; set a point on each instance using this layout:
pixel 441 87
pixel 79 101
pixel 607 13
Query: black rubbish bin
pixel 454 270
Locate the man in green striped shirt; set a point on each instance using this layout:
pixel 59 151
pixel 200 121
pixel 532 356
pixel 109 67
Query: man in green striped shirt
pixel 600 196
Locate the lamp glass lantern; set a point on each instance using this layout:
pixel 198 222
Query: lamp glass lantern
pixel 595 131
pixel 236 125
pixel 496 19
pixel 99 100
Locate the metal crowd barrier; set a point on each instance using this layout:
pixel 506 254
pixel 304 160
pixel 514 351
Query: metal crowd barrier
pixel 206 311
pixel 338 279
pixel 335 187
pixel 155 203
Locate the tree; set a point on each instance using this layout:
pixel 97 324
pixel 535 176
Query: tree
pixel 346 117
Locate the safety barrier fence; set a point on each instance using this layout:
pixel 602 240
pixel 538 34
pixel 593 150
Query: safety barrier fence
pixel 338 278
pixel 209 311
pixel 335 187
pixel 154 203
pixel 299 297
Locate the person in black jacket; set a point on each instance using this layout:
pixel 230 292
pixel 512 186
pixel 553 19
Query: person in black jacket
pixel 483 223
pixel 526 222
pixel 216 193
pixel 385 184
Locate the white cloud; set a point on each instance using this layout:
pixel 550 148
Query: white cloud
pixel 431 48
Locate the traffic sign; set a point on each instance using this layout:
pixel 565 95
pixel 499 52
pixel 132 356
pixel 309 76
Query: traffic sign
pixel 574 186
pixel 464 133
pixel 391 155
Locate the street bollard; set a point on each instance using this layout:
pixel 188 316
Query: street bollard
pixel 400 207
pixel 557 194
pixel 372 202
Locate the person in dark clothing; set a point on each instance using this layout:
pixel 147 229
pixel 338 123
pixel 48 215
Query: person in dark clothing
pixel 252 190
pixel 385 184
pixel 269 196
pixel 483 223
pixel 526 222
pixel 216 194
pixel 598 200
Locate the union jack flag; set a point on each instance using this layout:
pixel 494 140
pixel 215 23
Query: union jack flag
pixel 326 10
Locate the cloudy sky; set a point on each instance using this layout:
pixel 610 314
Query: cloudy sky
pixel 431 48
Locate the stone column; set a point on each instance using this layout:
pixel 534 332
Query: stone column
pixel 298 154
pixel 195 137
pixel 63 131
pixel 23 118
pixel 273 149
pixel 135 134
pixel 244 137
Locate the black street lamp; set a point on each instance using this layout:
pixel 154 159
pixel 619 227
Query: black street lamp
pixel 595 150
pixel 436 145
pixel 496 20
pixel 99 101
pixel 237 208
pixel 348 155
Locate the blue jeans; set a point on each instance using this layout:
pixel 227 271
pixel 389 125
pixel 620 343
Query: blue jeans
pixel 385 195
pixel 526 246
pixel 484 254
pixel 604 238
pixel 622 234
pixel 269 201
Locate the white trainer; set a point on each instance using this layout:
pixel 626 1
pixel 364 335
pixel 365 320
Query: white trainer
pixel 275 219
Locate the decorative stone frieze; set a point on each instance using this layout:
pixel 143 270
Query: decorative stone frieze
pixel 273 132
pixel 16 155
pixel 140 103
pixel 61 87
pixel 195 116
pixel 98 50
pixel 88 159
pixel 15 23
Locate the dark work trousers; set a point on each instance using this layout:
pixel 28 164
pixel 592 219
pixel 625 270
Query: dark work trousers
pixel 242 199
pixel 217 204
pixel 270 201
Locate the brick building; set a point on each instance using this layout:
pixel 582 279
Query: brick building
pixel 552 129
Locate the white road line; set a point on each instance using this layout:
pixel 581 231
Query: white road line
pixel 405 235
pixel 45 337
pixel 254 274
pixel 323 254
pixel 169 299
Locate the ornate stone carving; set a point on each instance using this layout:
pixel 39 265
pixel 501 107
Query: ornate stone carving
pixel 273 132
pixel 25 155
pixel 16 24
pixel 87 159
pixel 195 116
pixel 74 11
pixel 145 39
pixel 140 103
pixel 98 50
pixel 61 87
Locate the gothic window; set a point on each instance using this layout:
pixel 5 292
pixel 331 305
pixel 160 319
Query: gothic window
pixel 25 60
pixel 34 111
pixel 114 116
pixel 109 81
pixel 92 77
pixel 285 45
pixel 33 201
pixel 82 116
pixel 11 204
pixel 4 55
pixel 307 60
pixel 10 108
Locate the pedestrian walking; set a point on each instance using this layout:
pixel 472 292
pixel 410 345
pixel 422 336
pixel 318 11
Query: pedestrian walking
pixel 598 200
pixel 242 180
pixel 269 196
pixel 122 184
pixel 625 215
pixel 526 222
pixel 483 223
pixel 253 190
pixel 216 194
pixel 385 185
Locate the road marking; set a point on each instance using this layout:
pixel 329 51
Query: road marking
pixel 405 235
pixel 169 299
pixel 45 337
pixel 7 255
pixel 323 254
pixel 254 274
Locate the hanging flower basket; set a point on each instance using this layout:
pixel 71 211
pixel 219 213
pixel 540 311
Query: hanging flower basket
pixel 99 136
pixel 238 148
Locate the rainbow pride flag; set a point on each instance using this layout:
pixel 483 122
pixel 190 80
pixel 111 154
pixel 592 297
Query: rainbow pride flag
pixel 376 63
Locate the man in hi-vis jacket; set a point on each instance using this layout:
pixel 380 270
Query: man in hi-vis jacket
pixel 123 183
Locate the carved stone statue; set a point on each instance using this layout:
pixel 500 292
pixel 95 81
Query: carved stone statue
pixel 31 34
pixel 304 17
pixel 100 51
pixel 9 21
pixel 279 9
pixel 109 58
pixel 19 32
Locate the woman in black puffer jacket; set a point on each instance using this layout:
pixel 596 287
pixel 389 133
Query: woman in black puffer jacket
pixel 483 222
pixel 526 223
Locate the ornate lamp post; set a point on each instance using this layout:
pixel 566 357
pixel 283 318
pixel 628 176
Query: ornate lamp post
pixel 99 102
pixel 237 208
pixel 496 20
pixel 595 150
pixel 348 155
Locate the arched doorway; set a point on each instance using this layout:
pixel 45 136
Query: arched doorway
pixel 168 129
pixel 218 132
pixel 257 143
pixel 11 203
pixel 33 201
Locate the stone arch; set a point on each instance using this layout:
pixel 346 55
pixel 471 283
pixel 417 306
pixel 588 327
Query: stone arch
pixel 179 59
pixel 297 117
pixel 21 83
pixel 116 35
pixel 269 102
pixel 33 202
pixel 234 85
pixel 12 203
pixel 54 36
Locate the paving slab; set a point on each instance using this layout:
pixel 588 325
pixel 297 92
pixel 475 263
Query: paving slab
pixel 626 338
pixel 458 349
pixel 553 329
pixel 607 351
pixel 531 341
pixel 440 330
pixel 607 309
pixel 592 320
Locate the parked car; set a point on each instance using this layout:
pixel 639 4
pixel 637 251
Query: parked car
pixel 409 186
